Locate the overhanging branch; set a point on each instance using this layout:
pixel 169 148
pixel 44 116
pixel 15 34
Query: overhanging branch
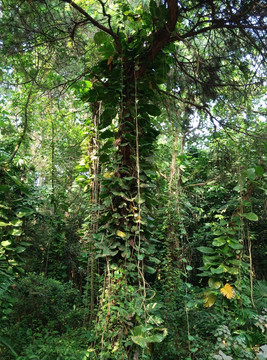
pixel 216 26
pixel 96 23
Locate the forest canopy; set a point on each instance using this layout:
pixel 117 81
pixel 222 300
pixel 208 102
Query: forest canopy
pixel 132 168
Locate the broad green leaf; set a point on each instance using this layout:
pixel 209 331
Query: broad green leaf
pixel 107 252
pixel 2 224
pixel 88 84
pixel 218 232
pixel 215 284
pixel 219 241
pixel 16 222
pixel 122 311
pixel 7 311
pixel 219 270
pixel 232 270
pixel 80 178
pixel 204 273
pixel 24 243
pixel 230 231
pixel 150 269
pixel 138 330
pixel 211 260
pixel 4 207
pixel 126 253
pixel 205 250
pixel 223 356
pixel 251 174
pixel 251 216
pixel 226 250
pixel 140 340
pixel 156 338
pixel 190 304
pixel 5 243
pixel 238 188
pixel 107 50
pixel 154 260
pixel 19 249
pixel 25 212
pixel 15 232
pixel 235 245
pixel 100 37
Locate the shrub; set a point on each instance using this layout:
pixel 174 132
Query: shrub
pixel 44 302
pixel 46 321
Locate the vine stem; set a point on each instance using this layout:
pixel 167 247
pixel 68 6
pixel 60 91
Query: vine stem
pixel 138 179
pixel 141 272
pixel 250 267
pixel 186 315
pixel 241 225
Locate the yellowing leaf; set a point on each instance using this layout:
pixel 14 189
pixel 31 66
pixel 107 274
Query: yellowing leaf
pixel 108 175
pixel 209 299
pixel 150 85
pixel 133 208
pixel 228 291
pixel 110 59
pixel 120 234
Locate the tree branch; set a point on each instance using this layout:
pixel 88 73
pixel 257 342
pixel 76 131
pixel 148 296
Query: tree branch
pixel 161 37
pixel 77 24
pixel 106 14
pixel 204 107
pixel 202 183
pixel 96 23
pixel 218 25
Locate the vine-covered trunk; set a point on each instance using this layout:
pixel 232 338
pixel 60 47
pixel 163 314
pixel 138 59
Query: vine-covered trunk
pixel 123 237
pixel 124 271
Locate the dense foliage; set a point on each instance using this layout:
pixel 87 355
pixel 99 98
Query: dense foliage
pixel 132 180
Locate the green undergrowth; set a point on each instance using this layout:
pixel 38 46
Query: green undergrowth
pixel 46 321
